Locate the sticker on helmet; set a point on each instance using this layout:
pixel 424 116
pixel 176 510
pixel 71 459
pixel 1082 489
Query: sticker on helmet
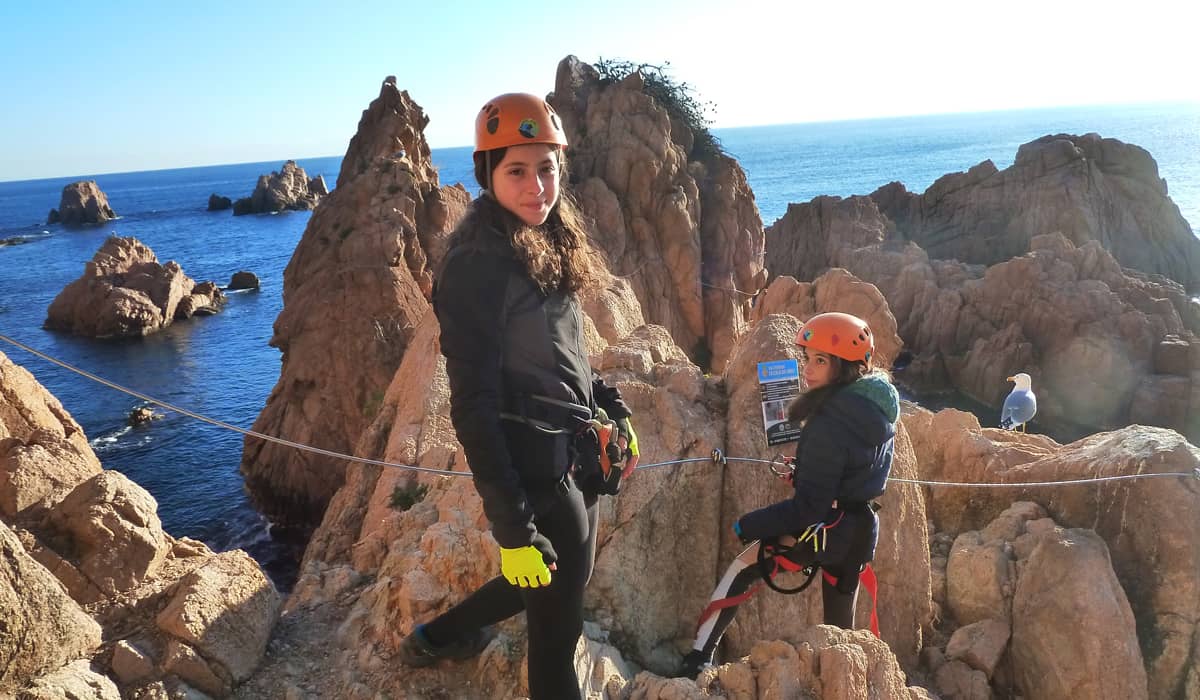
pixel 528 128
pixel 807 334
pixel 835 339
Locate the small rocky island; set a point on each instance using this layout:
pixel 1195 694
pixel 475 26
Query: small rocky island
pixel 82 202
pixel 290 189
pixel 124 291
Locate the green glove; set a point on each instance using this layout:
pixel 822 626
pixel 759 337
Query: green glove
pixel 524 567
pixel 625 430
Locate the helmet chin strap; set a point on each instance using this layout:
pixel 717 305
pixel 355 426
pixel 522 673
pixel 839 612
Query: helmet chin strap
pixel 487 167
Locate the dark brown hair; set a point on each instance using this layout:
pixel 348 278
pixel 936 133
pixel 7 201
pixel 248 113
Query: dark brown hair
pixel 556 255
pixel 845 373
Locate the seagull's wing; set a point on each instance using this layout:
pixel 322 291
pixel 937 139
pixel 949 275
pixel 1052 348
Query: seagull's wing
pixel 1019 407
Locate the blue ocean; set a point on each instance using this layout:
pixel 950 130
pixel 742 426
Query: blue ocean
pixel 221 366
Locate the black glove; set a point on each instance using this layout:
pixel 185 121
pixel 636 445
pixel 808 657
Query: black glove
pixel 542 544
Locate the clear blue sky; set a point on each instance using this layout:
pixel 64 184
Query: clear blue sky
pixel 109 87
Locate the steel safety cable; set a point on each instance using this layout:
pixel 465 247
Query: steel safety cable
pixel 717 455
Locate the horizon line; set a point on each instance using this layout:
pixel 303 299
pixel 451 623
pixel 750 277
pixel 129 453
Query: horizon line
pixel 812 122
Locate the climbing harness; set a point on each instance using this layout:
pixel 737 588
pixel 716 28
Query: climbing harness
pixel 599 460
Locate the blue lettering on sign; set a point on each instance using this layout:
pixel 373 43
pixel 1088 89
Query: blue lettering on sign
pixel 778 370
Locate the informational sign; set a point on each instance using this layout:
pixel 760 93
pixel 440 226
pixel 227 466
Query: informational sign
pixel 778 386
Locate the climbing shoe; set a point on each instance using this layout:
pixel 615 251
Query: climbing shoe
pixel 693 663
pixel 416 650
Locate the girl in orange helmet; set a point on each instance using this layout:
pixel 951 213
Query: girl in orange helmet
pixel 520 391
pixel 843 458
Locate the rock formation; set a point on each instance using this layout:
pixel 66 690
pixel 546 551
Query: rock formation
pixel 243 280
pixel 287 190
pixel 679 226
pixel 82 203
pixel 995 571
pixel 670 526
pixel 124 291
pixel 84 558
pixel 395 547
pixel 218 203
pixel 356 286
pixel 1106 346
pixel 1085 187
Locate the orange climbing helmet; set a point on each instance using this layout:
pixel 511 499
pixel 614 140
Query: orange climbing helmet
pixel 515 118
pixel 838 334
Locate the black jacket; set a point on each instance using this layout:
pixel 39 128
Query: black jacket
pixel 844 452
pixel 504 339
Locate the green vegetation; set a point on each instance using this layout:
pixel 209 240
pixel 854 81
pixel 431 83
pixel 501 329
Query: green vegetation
pixel 372 404
pixel 679 99
pixel 405 497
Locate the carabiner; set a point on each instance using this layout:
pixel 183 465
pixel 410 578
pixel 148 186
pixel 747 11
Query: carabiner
pixel 788 464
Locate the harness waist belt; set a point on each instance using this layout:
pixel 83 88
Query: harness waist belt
pixel 546 414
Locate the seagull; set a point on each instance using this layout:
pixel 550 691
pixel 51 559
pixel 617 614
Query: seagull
pixel 1020 405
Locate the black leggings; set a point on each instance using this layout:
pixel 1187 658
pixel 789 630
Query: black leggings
pixel 837 600
pixel 554 613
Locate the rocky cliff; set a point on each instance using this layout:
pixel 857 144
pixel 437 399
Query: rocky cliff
pixel 82 202
pixel 290 189
pixel 1087 188
pixel 357 283
pixel 968 577
pixel 361 277
pixel 97 600
pixel 125 291
pixel 678 225
pixel 1106 345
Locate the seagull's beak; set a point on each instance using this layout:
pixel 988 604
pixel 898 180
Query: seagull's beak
pixel 1011 379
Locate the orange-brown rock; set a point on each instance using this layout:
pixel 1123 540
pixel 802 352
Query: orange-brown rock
pixel 1086 187
pixel 287 190
pixel 1105 346
pixel 219 609
pixel 82 202
pixel 391 127
pixel 355 288
pixel 112 523
pixel 835 290
pixel 1095 656
pixel 124 291
pixel 396 547
pixel 680 225
pixel 74 535
pixel 43 628
pixel 1147 524
pixel 43 451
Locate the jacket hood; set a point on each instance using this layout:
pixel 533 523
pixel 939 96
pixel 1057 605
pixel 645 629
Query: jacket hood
pixel 870 407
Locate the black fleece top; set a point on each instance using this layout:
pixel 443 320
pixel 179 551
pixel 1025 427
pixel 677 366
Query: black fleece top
pixel 844 452
pixel 503 337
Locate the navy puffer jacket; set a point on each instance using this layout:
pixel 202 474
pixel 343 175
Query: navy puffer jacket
pixel 844 453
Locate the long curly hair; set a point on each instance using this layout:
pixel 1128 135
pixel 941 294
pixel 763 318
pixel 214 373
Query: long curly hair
pixel 556 255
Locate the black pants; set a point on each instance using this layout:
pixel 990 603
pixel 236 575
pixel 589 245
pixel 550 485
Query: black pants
pixel 555 612
pixel 837 600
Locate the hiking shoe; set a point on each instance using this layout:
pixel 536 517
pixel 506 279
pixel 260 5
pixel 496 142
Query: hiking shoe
pixel 417 651
pixel 693 663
